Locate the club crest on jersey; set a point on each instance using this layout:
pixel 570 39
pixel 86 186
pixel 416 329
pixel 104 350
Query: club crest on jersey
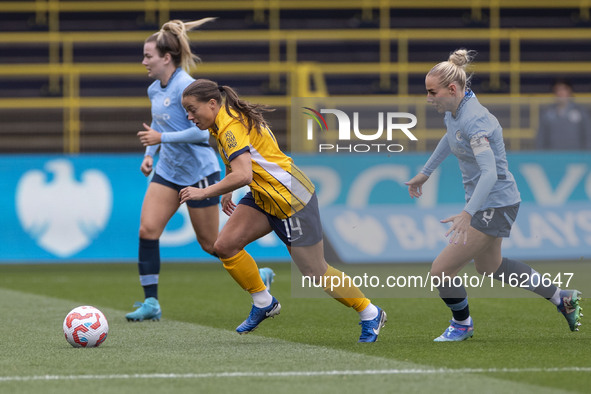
pixel 166 102
pixel 458 135
pixel 230 140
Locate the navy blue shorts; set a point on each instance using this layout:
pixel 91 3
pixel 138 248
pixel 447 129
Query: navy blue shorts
pixel 495 222
pixel 303 228
pixel 202 184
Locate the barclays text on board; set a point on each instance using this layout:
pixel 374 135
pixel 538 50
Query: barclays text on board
pixel 86 208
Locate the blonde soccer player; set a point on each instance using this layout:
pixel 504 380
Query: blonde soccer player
pixel 475 137
pixel 281 199
pixel 184 158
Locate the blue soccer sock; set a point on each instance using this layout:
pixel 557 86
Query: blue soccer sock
pixel 149 266
pixel 456 299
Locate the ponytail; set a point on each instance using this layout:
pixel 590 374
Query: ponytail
pixel 172 38
pixel 250 115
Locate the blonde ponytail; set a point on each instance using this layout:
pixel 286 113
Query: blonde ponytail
pixel 173 39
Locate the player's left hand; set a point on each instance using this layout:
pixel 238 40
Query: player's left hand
pixel 459 228
pixel 228 205
pixel 192 193
pixel 149 136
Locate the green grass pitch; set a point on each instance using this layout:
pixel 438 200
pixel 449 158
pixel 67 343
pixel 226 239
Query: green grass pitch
pixel 519 345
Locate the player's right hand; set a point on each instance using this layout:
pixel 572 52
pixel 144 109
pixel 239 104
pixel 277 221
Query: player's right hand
pixel 147 164
pixel 415 185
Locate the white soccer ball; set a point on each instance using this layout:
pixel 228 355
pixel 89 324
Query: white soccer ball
pixel 85 326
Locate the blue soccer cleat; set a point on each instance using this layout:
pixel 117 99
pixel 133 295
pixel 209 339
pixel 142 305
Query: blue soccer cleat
pixel 370 329
pixel 257 315
pixel 267 276
pixel 570 308
pixel 456 332
pixel 148 310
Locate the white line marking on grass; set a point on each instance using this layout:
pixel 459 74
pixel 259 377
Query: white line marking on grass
pixel 412 371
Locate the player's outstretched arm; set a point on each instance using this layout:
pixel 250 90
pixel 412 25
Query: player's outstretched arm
pixel 241 175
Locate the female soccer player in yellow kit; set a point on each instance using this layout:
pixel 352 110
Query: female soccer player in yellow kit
pixel 185 158
pixel 281 198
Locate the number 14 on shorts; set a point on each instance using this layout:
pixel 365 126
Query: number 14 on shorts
pixel 293 226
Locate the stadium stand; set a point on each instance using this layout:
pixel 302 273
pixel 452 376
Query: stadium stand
pixel 72 79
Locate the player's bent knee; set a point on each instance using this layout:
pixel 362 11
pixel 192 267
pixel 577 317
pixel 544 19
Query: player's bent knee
pixel 208 247
pixel 313 272
pixel 224 250
pixel 149 232
pixel 482 271
pixel 318 280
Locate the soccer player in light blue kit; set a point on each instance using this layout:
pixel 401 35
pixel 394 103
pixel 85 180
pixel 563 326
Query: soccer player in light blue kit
pixel 185 159
pixel 475 137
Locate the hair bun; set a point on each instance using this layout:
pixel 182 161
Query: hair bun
pixel 462 57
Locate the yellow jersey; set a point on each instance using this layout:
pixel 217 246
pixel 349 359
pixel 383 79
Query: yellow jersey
pixel 278 186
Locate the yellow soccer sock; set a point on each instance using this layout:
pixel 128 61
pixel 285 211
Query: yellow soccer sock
pixel 340 286
pixel 244 270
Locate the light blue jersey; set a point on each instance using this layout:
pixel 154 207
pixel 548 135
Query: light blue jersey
pixel 475 137
pixel 185 156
